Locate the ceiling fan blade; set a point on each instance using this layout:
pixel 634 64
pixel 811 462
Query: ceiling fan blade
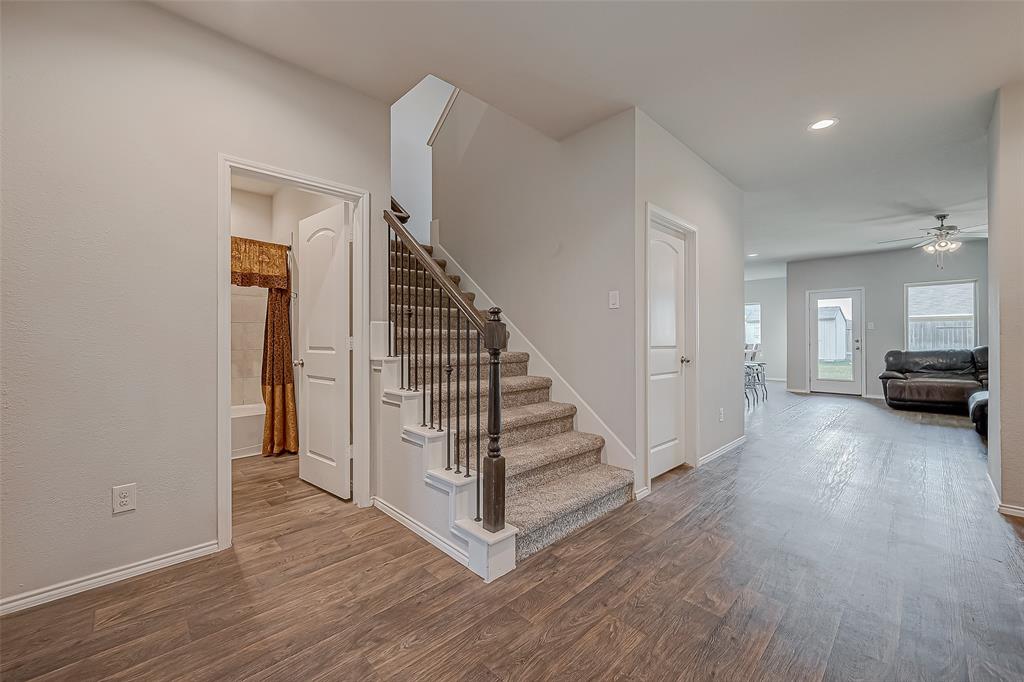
pixel 902 239
pixel 975 229
pixel 972 235
pixel 926 241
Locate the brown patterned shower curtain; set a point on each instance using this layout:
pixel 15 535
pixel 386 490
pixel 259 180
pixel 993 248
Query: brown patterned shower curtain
pixel 263 264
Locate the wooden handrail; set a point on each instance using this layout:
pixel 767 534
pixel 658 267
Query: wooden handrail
pixel 444 115
pixel 439 276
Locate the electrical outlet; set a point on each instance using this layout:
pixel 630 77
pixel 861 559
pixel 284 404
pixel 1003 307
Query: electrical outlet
pixel 123 498
pixel 721 414
pixel 613 300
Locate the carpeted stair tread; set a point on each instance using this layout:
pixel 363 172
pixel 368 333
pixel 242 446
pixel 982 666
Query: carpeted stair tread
pixel 523 415
pixel 513 384
pixel 422 294
pixel 535 508
pixel 508 358
pixel 543 451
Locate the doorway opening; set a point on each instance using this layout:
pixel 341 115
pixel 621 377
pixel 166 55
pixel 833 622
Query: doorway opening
pixel 834 340
pixel 293 363
pixel 669 363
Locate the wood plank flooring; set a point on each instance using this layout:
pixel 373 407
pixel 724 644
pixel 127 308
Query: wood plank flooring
pixel 845 541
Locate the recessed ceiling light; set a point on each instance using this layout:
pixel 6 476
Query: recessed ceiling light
pixel 753 255
pixel 823 123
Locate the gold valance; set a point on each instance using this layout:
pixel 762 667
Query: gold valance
pixel 259 264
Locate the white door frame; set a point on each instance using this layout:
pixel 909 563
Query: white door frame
pixel 360 314
pixel 807 335
pixel 655 215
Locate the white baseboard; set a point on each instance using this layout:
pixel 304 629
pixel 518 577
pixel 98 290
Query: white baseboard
pixel 1011 510
pixel 247 452
pixel 774 379
pixel 732 445
pixel 800 391
pixel 643 492
pixel 422 530
pixel 871 396
pixel 69 587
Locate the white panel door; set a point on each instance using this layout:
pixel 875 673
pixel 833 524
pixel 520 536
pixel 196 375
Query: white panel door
pixel 324 358
pixel 835 334
pixel 666 362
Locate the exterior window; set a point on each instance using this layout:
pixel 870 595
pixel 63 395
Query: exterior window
pixel 752 322
pixel 941 315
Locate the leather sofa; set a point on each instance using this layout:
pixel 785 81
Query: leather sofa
pixel 934 379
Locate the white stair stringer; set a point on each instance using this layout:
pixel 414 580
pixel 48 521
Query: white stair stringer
pixel 437 505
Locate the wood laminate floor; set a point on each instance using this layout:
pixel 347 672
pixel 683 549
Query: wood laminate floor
pixel 845 541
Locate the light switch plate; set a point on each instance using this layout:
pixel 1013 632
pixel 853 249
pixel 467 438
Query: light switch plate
pixel 123 498
pixel 613 300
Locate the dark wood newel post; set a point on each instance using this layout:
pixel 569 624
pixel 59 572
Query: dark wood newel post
pixel 495 338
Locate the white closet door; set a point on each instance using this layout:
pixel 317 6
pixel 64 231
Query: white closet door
pixel 324 332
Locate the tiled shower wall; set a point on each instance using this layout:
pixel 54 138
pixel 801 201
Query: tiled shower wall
pixel 248 317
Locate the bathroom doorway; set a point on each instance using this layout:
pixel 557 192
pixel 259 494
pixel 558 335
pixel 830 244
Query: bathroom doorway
pixel 293 291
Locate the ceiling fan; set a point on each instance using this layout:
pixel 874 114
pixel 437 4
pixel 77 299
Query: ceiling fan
pixel 943 238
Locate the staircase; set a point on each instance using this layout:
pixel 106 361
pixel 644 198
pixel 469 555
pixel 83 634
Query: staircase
pixel 555 482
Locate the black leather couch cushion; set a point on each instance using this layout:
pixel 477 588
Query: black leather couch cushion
pixel 950 361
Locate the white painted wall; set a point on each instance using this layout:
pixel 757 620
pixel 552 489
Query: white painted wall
pixel 251 215
pixel 1005 248
pixel 113 118
pixel 670 175
pixel 546 229
pixel 550 230
pixel 413 118
pixel 771 294
pixel 882 275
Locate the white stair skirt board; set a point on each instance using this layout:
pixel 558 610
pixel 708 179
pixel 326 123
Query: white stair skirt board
pixel 67 588
pixel 615 452
pixel 715 454
pixel 437 505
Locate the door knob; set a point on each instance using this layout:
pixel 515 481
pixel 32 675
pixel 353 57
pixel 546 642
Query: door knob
pixel 683 360
pixel 299 363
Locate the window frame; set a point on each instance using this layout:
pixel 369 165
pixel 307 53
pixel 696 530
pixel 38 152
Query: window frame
pixel 760 321
pixel 906 305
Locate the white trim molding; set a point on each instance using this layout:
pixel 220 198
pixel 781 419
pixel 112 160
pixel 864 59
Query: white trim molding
pixel 360 198
pixel 67 588
pixel 1011 510
pixel 654 216
pixel 728 447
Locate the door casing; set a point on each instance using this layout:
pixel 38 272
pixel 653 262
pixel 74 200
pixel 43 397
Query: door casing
pixel 663 219
pixel 360 198
pixel 808 356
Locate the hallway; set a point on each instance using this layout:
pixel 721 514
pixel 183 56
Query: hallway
pixel 843 541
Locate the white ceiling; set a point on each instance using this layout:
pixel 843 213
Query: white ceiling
pixel 913 84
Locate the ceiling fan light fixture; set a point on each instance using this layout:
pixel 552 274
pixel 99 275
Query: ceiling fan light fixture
pixel 929 248
pixel 953 246
pixel 823 123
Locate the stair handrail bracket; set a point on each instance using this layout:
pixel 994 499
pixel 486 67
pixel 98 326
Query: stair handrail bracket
pixel 422 334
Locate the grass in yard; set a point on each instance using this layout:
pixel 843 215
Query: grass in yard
pixel 841 370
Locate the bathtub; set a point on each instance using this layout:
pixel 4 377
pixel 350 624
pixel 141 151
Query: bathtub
pixel 247 430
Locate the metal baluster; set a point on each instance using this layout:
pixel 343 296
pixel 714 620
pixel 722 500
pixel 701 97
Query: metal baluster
pixel 478 433
pixel 433 359
pixel 417 321
pixel 428 319
pixel 391 305
pixel 403 315
pixel 448 392
pixel 467 400
pixel 458 393
pixel 409 312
